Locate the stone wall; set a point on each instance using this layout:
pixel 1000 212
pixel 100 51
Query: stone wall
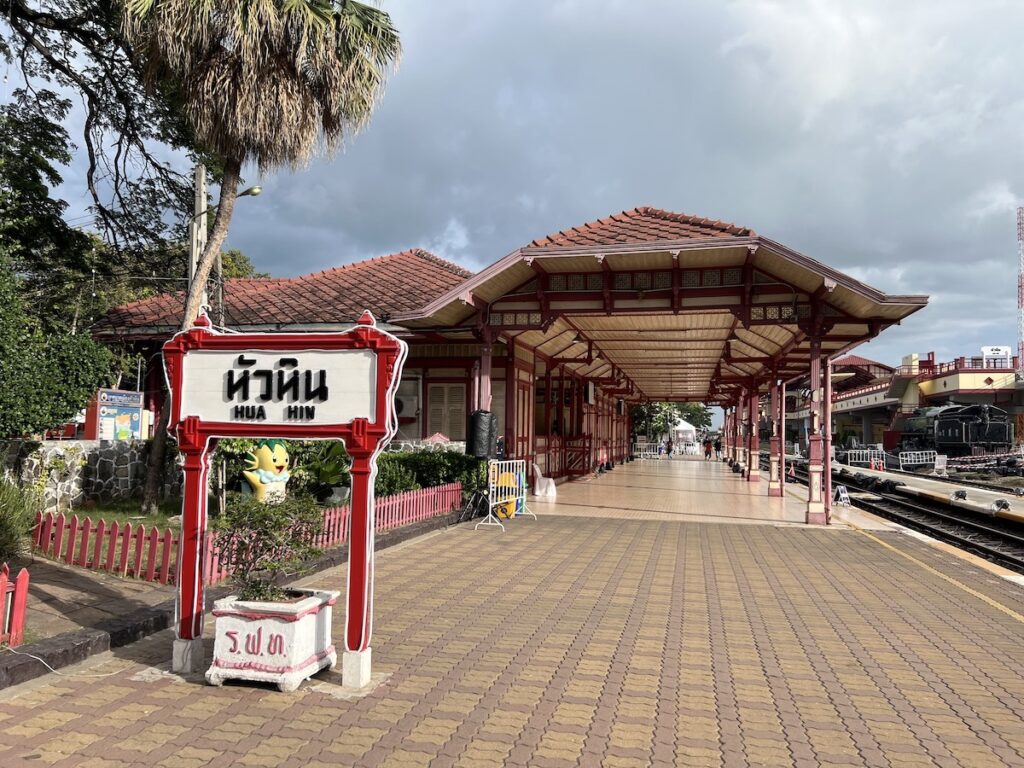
pixel 73 472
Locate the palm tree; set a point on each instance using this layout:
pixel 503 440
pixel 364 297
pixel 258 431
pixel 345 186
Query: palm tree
pixel 266 81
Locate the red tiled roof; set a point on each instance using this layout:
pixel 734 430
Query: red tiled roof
pixel 642 225
pixel 386 285
pixel 857 360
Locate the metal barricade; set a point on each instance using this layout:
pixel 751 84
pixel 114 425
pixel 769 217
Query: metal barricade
pixel 506 492
pixel 865 456
pixel 917 459
pixel 643 451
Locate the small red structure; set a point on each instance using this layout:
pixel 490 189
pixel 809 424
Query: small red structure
pixel 13 598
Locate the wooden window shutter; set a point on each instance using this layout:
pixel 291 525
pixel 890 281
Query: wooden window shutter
pixel 456 421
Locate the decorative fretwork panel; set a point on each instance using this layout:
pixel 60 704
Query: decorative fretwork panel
pixel 732 276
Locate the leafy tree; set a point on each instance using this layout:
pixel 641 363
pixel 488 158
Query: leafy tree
pixel 45 379
pixel 236 264
pixel 655 419
pixel 270 83
pixel 76 47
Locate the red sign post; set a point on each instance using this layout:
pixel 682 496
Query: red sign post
pixel 327 386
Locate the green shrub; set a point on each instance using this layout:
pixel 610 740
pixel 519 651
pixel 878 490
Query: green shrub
pixel 399 472
pixel 261 542
pixel 18 509
pixel 393 476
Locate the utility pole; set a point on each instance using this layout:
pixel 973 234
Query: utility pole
pixel 198 228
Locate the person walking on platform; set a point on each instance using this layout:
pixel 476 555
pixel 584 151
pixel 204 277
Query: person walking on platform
pixel 707 449
pixel 668 447
pixel 718 449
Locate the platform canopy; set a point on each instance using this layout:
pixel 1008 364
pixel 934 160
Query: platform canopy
pixel 666 306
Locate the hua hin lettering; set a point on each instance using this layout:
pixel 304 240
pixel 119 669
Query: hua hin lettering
pixel 253 388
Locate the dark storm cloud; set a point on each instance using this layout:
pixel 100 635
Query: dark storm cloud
pixel 882 138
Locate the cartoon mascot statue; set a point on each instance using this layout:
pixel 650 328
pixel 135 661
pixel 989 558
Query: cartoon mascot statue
pixel 267 474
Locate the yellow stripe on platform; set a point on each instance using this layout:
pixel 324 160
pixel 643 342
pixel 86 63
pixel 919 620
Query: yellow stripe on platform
pixel 945 577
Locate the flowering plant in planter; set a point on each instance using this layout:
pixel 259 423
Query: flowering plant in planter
pixel 265 631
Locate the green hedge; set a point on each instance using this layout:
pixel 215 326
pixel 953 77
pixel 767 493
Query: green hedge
pixel 399 472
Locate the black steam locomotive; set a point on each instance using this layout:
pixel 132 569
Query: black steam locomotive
pixel 958 430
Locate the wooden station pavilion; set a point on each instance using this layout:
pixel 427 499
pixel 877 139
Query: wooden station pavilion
pixel 560 337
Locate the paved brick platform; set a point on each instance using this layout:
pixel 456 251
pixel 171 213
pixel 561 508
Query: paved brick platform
pixel 578 641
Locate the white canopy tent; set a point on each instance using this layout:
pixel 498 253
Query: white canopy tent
pixel 684 435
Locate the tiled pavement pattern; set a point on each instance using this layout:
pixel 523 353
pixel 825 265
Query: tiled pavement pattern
pixel 681 488
pixel 575 641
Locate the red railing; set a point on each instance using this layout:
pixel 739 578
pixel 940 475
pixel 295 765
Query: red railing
pixel 152 554
pixel 577 456
pixel 13 598
pixel 929 369
pixel 867 389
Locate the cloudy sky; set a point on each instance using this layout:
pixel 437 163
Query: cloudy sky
pixel 881 137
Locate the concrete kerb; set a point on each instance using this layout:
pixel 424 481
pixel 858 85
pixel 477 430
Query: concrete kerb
pixel 73 647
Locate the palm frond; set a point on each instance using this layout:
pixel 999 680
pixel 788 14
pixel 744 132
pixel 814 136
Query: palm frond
pixel 272 81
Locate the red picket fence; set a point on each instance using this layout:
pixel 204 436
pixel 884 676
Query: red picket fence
pixel 152 554
pixel 391 512
pixel 13 597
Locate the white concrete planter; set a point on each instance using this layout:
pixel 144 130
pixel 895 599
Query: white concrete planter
pixel 282 643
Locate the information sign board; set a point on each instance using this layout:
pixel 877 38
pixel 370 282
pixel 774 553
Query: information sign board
pixel 303 386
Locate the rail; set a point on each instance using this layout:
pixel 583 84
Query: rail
pixel 577 456
pixel 926 369
pixel 867 389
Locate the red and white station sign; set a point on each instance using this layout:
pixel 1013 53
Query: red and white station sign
pixel 329 386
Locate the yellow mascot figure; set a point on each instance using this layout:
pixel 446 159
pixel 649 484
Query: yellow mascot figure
pixel 267 473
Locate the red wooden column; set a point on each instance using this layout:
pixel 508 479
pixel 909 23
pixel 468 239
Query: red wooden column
pixel 815 467
pixel 742 439
pixel 827 441
pixel 754 441
pixel 734 430
pixel 775 446
pixel 726 426
pixel 781 421
pixel 727 436
pixel 483 382
pixel 187 651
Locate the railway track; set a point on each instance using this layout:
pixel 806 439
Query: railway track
pixel 999 541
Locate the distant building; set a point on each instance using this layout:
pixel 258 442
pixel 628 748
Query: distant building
pixel 870 400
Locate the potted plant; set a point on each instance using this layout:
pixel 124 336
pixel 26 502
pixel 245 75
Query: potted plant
pixel 264 631
pixel 329 477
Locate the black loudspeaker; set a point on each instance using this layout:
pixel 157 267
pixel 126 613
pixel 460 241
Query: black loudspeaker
pixel 483 435
pixel 620 407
